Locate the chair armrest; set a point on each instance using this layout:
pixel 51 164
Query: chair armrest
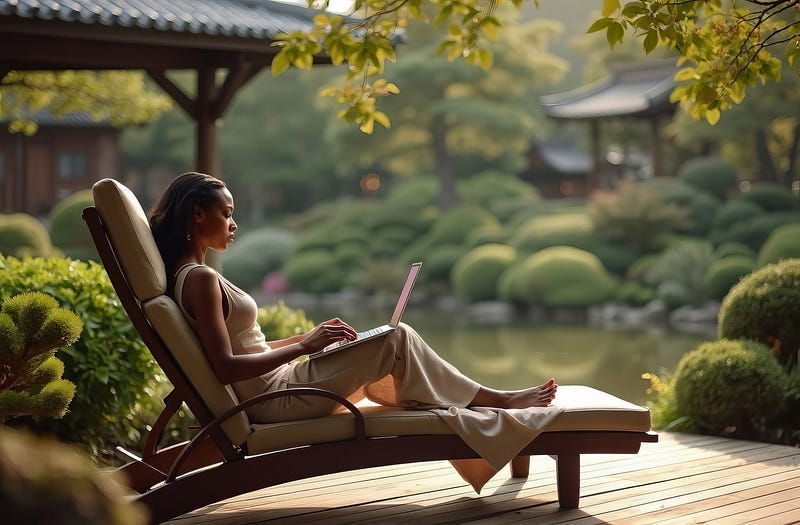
pixel 360 431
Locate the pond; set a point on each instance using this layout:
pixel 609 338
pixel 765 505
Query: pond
pixel 519 354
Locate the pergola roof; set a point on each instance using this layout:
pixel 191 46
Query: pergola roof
pixel 638 90
pixel 144 34
pixel 226 42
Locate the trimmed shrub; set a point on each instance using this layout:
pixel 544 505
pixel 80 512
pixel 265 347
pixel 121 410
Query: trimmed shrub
pixel 386 217
pixel 770 197
pixel 729 249
pixel 733 212
pixel 22 234
pixel 712 175
pixel 414 192
pixel 729 387
pixel 68 231
pixel 314 271
pixel 723 273
pixel 486 188
pixel 491 234
pixel 456 224
pixel 255 254
pixel 782 243
pixel 634 294
pixel 701 206
pixel 439 263
pixel 545 231
pixel 476 274
pixel 764 306
pixel 109 364
pixel 559 277
pixel 516 210
pixel 754 232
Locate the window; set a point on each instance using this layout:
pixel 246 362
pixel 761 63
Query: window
pixel 71 166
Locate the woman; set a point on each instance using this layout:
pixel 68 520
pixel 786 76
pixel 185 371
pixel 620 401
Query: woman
pixel 195 213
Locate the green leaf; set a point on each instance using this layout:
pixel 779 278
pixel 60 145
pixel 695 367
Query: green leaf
pixel 615 33
pixel 650 41
pixel 599 25
pixel 280 63
pixel 712 116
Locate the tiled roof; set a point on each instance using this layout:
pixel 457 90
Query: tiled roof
pixel 632 90
pixel 237 18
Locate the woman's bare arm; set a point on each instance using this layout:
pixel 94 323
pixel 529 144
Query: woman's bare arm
pixel 202 299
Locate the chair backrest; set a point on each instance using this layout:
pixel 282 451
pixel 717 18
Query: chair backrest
pixel 140 262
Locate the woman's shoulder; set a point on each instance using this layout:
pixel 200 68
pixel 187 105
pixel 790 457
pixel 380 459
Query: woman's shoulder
pixel 198 274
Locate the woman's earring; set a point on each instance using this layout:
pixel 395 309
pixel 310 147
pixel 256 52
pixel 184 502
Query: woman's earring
pixel 188 237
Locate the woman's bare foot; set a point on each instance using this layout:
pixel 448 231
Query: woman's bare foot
pixel 537 396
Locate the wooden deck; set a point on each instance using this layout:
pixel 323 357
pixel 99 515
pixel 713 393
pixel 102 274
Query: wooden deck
pixel 682 479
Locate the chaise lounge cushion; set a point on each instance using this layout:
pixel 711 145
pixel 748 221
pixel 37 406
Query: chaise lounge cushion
pixel 130 234
pixel 585 408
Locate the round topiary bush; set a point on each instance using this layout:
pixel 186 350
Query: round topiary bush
pixel 476 274
pixel 486 188
pixel 765 306
pixel 723 273
pixel 545 231
pixel 255 254
pixel 314 272
pixel 713 175
pixel 559 277
pixel 782 243
pixel 733 212
pixel 733 248
pixel 492 234
pixel 770 197
pixel 729 386
pixel 68 231
pixel 21 234
pixel 439 263
pixel 755 231
pixel 456 224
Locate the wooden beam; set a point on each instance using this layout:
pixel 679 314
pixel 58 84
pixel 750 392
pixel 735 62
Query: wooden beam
pixel 175 92
pixel 237 77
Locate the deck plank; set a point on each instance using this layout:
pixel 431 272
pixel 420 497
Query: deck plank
pixel 681 479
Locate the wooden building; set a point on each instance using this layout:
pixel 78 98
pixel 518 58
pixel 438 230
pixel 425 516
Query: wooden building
pixel 66 154
pixel 637 91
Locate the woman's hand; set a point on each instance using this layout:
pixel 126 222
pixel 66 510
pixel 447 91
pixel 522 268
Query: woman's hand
pixel 326 333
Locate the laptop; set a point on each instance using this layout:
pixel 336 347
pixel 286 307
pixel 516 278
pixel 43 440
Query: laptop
pixel 402 301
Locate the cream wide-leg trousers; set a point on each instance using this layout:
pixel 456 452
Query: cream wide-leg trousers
pixel 398 369
pixel 401 370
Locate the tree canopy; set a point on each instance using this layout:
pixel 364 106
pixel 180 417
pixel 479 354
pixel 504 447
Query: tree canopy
pixel 122 97
pixel 725 46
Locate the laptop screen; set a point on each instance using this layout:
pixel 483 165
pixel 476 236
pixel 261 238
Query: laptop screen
pixel 403 300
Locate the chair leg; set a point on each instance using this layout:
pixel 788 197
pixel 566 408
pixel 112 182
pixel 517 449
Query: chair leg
pixel 568 476
pixel 520 466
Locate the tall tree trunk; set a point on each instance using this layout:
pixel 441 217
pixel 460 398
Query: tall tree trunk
pixel 767 171
pixel 794 153
pixel 444 164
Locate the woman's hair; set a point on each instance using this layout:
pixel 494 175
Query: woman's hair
pixel 171 216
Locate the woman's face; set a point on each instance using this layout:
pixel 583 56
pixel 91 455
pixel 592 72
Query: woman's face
pixel 214 225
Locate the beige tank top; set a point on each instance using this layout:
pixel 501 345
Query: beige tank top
pixel 242 323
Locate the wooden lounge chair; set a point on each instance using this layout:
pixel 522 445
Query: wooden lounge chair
pixel 230 455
